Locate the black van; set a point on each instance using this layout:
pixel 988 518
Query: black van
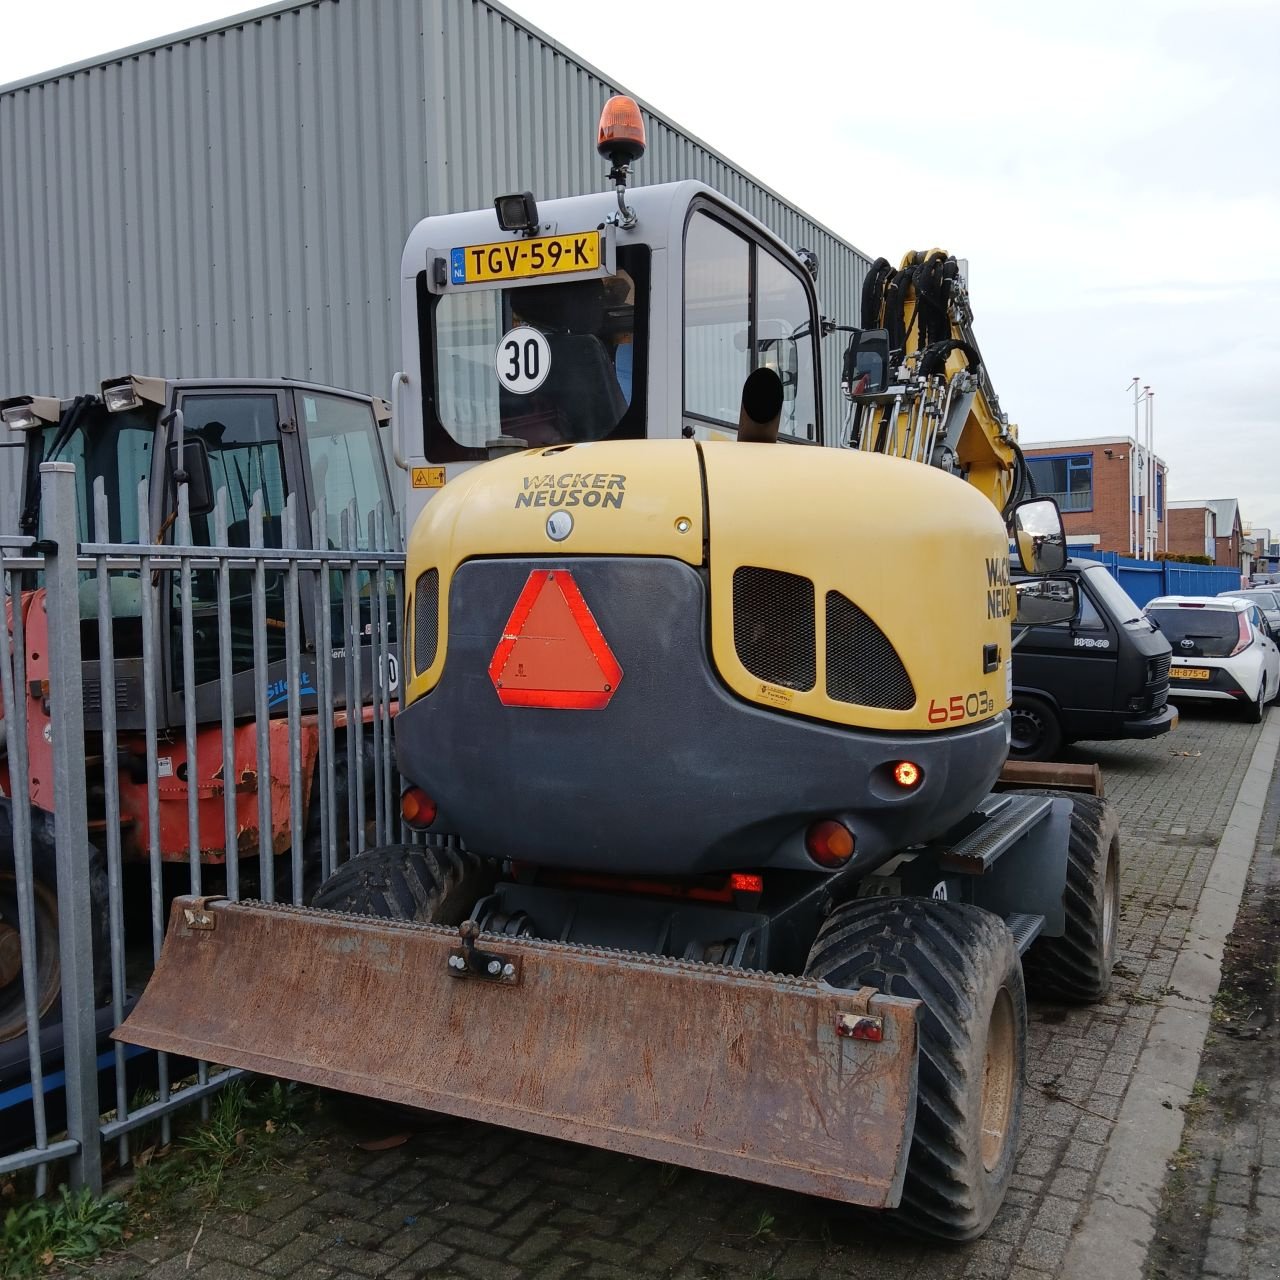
pixel 1104 674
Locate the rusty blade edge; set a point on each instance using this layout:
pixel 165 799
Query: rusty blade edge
pixel 778 1172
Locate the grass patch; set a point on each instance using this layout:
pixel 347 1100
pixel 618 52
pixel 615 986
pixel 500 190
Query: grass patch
pixel 244 1133
pixel 72 1228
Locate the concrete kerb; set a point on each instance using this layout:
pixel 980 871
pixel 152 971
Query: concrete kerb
pixel 1116 1232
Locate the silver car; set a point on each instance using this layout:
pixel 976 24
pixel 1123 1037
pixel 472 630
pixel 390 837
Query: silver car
pixel 1266 598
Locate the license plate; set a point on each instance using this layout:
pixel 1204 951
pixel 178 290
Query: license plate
pixel 519 259
pixel 1191 673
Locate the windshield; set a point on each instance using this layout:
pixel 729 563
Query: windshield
pixel 1197 631
pixel 1115 599
pixel 113 447
pixel 544 363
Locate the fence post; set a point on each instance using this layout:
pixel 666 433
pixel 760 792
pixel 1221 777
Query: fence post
pixel 71 819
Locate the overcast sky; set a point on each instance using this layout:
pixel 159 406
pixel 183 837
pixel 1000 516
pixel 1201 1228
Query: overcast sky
pixel 1109 169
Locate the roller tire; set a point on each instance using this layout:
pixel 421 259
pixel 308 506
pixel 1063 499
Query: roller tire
pixel 45 874
pixel 408 882
pixel 1034 727
pixel 963 964
pixel 1076 968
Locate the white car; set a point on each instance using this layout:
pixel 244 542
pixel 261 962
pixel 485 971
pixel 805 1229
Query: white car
pixel 1221 650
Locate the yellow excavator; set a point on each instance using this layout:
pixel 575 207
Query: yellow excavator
pixel 711 869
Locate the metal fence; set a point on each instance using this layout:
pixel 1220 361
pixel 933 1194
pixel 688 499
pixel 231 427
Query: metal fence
pixel 1144 580
pixel 177 718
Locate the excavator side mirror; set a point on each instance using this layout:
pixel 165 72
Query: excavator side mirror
pixel 193 468
pixel 1039 535
pixel 866 363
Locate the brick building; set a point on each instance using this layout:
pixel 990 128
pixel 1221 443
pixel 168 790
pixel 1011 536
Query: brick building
pixel 1101 487
pixel 1229 539
pixel 1192 529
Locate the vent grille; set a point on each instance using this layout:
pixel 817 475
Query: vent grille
pixel 774 629
pixel 127 695
pixel 426 619
pixel 862 666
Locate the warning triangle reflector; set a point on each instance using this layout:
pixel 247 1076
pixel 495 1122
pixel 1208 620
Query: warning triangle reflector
pixel 552 653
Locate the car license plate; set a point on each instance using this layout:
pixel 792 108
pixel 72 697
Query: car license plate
pixel 1191 673
pixel 519 259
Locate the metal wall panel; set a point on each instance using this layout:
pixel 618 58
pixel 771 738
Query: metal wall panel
pixel 234 201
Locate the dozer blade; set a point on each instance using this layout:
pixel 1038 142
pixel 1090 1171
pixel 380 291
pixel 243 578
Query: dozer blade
pixel 778 1080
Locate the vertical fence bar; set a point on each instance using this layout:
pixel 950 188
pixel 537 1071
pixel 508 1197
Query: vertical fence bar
pixel 189 692
pixel 13 693
pixel 324 696
pixel 352 700
pixel 187 637
pixel 111 785
pixel 381 674
pixel 71 820
pixel 226 696
pixel 293 649
pixel 150 684
pixel 389 754
pixel 266 846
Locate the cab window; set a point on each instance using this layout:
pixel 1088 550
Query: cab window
pixel 346 465
pixel 578 376
pixel 744 308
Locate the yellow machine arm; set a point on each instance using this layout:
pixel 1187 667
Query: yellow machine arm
pixel 916 382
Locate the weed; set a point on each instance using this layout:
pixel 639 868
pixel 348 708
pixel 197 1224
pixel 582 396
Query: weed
pixel 764 1226
pixel 73 1227
pixel 667 1175
pixel 1199 1089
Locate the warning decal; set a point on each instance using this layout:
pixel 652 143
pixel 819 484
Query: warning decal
pixel 552 652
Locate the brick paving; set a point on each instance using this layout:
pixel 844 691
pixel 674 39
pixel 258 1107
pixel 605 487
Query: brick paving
pixel 1221 1215
pixel 463 1199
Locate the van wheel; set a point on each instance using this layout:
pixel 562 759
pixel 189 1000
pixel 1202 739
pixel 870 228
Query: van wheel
pixel 962 963
pixel 1077 966
pixel 1034 731
pixel 408 882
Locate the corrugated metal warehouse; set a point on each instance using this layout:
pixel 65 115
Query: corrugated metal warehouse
pixel 233 200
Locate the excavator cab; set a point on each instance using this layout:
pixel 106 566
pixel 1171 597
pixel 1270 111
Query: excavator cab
pixel 540 324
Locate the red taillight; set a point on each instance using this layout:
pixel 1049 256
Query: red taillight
pixel 417 808
pixel 746 882
pixel 830 844
pixel 1245 638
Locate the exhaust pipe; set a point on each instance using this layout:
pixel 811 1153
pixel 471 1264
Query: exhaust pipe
pixel 761 410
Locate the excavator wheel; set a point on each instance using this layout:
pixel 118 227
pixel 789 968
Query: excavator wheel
pixel 433 885
pixel 1077 967
pixel 963 964
pixel 45 901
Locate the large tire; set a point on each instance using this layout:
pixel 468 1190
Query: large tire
pixel 1035 732
pixel 963 964
pixel 408 882
pixel 44 866
pixel 1077 966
